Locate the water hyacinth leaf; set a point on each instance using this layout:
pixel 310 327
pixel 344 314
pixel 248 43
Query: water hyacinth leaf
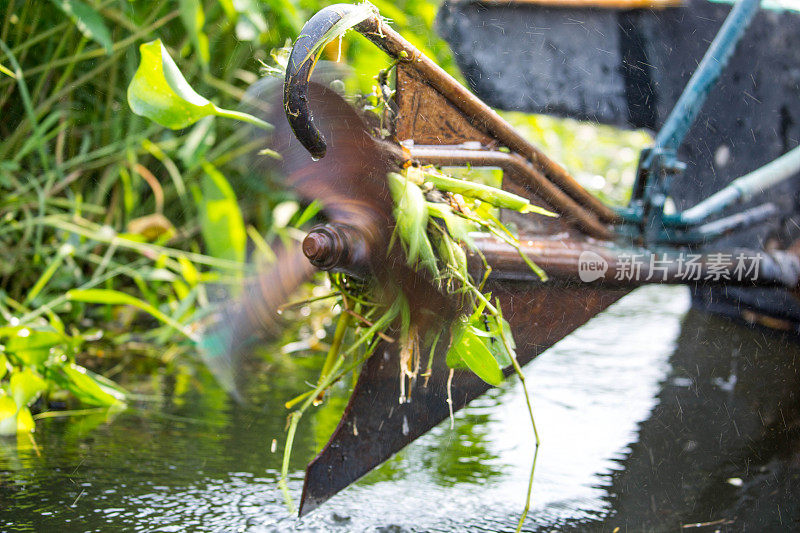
pixel 25 386
pixel 88 387
pixel 88 21
pixel 469 348
pixel 221 220
pixel 159 92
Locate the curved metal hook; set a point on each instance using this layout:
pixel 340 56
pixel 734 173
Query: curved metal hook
pixel 298 72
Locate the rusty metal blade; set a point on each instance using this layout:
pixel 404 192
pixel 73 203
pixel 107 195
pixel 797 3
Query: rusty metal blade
pixel 375 425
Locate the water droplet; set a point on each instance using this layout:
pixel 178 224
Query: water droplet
pixel 314 158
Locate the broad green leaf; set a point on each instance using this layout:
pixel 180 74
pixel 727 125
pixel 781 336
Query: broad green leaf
pixel 25 423
pixel 8 416
pixel 468 348
pixel 88 21
pixel 193 19
pixel 88 387
pixel 112 297
pixel 25 386
pixel 495 343
pixel 30 346
pixel 159 92
pixel 221 220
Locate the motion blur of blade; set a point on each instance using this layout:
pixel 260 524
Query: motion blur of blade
pixel 350 184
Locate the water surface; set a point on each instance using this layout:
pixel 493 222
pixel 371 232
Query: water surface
pixel 651 418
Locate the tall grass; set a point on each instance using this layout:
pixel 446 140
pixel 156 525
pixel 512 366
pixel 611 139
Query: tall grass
pixel 105 248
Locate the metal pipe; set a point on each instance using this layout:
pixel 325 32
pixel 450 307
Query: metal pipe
pixel 570 262
pixel 683 115
pixel 742 189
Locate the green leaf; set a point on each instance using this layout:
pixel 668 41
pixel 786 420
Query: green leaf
pixel 411 215
pixel 458 227
pixel 30 346
pixel 3 364
pixel 495 343
pixel 26 386
pixel 159 92
pixel 112 297
pixel 25 423
pixel 89 22
pixel 7 72
pixel 229 9
pixel 468 348
pixel 221 221
pixel 8 416
pixel 88 387
pixel 193 19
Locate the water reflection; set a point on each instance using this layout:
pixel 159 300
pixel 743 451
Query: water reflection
pixel 721 447
pixel 648 415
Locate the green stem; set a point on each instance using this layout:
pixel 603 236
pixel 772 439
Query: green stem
pixel 521 377
pixel 244 117
pixel 64 251
pixel 336 345
pixel 287 453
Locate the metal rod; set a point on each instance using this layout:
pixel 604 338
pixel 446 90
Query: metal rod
pixel 570 262
pixel 742 189
pixel 683 115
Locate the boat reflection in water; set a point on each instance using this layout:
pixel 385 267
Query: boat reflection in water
pixel 722 444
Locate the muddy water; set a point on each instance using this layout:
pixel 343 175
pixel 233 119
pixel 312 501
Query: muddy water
pixel 651 417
